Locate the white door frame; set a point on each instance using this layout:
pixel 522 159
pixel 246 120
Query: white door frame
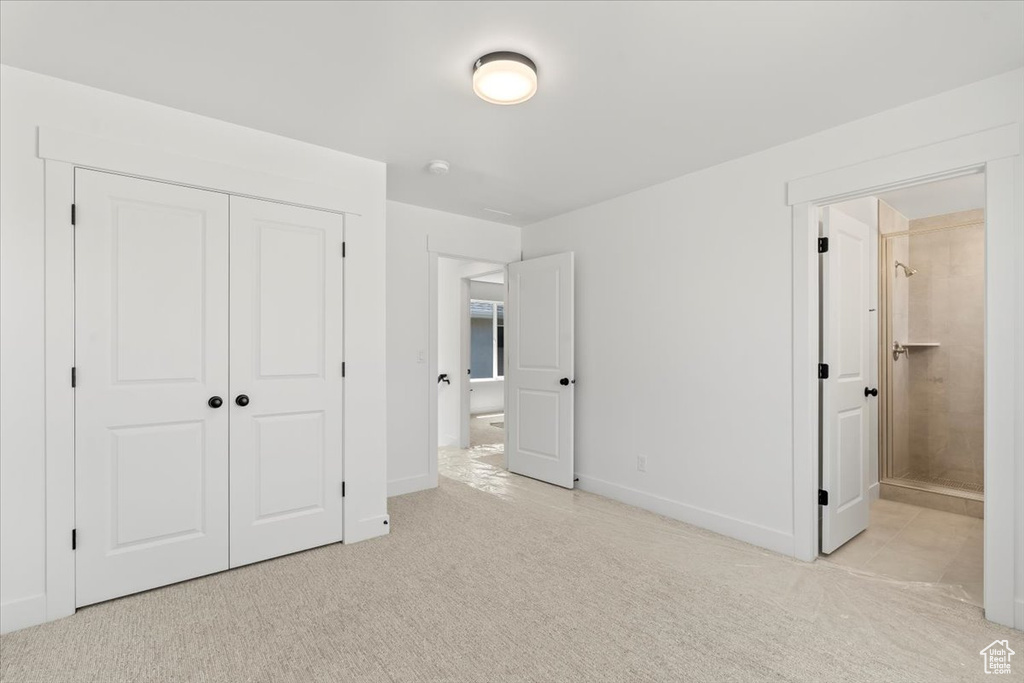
pixel 432 257
pixel 61 152
pixel 997 153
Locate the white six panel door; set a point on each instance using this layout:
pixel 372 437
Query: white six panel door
pixel 846 336
pixel 286 358
pixel 540 368
pixel 151 338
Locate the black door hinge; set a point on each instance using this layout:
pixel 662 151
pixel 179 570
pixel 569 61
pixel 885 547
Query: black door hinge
pixel 72 214
pixel 74 539
pixel 342 250
pixel 74 377
pixel 822 497
pixel 822 245
pixel 342 489
pixel 342 368
pixel 822 370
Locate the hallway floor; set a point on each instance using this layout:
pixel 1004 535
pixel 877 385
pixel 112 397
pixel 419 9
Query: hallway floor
pixel 487 429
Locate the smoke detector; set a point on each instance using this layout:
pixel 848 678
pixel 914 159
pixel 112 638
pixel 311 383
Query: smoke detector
pixel 438 167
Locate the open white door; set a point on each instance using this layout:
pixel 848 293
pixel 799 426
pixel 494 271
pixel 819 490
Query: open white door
pixel 540 368
pixel 845 342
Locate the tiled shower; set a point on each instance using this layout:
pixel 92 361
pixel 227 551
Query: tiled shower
pixel 932 428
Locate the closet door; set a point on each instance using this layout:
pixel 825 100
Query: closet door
pixel 151 352
pixel 286 379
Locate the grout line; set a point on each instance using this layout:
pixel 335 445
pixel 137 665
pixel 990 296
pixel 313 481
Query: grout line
pixel 899 531
pixel 956 556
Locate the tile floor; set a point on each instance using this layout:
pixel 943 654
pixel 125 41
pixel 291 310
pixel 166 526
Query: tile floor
pixel 909 543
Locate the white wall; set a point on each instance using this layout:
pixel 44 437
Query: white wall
pixel 30 101
pixel 487 291
pixel 487 396
pixel 708 400
pixel 451 290
pixel 412 233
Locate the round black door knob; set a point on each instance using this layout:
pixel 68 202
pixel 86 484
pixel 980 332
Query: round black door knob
pixel 242 400
pixel 215 402
pixel 564 381
pixel 870 392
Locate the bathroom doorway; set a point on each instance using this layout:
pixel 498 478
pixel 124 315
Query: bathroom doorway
pixel 932 370
pixel 922 518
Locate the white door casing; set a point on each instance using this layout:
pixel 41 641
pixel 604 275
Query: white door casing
pixel 845 348
pixel 286 357
pixel 151 341
pixel 540 368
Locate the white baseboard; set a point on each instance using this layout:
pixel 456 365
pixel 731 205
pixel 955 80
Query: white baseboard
pixel 420 482
pixel 874 491
pixel 22 613
pixel 764 537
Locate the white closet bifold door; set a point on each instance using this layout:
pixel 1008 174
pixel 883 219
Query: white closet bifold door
pixel 151 352
pixel 286 379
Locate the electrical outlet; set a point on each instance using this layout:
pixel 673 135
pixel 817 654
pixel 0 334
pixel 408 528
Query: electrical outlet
pixel 641 463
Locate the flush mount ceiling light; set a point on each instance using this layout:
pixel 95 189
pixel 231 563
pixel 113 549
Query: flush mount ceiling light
pixel 505 78
pixel 438 167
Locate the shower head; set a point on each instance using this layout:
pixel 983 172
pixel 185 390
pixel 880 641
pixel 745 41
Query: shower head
pixel 907 270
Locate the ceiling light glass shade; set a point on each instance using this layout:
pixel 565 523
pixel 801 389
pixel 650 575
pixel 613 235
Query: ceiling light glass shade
pixel 505 78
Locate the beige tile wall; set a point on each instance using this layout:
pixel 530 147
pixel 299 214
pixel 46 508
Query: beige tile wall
pixel 946 300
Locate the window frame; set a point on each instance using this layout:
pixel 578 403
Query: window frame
pixel 495 377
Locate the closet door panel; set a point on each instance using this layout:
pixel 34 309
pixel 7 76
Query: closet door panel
pixel 151 332
pixel 286 361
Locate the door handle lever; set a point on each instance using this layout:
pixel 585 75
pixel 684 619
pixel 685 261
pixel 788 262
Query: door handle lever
pixel 443 377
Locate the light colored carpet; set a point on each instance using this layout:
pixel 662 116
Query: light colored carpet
pixel 528 583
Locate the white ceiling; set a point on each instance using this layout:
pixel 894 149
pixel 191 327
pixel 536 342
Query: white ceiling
pixel 631 93
pixel 472 270
pixel 493 278
pixel 939 198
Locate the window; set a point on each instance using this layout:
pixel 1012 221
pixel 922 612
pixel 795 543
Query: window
pixel 486 339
